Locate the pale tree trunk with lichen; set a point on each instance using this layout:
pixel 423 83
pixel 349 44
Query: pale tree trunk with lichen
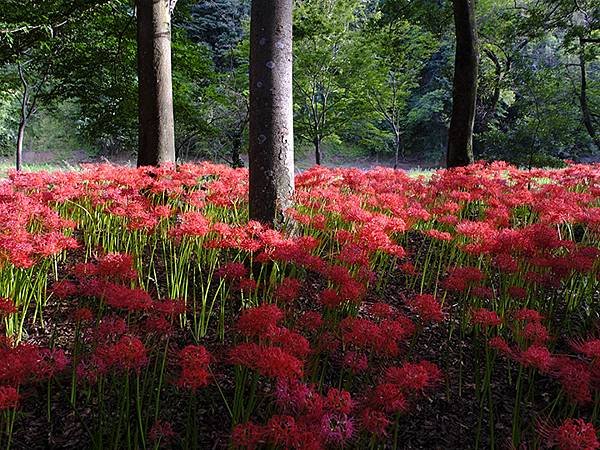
pixel 271 149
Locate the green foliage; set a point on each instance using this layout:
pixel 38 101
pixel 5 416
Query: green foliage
pixel 370 75
pixel 326 93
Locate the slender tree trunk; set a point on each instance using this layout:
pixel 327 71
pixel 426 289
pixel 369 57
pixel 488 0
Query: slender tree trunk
pixel 583 101
pixel 156 141
pixel 271 150
pixel 489 113
pixel 24 116
pixel 464 92
pixel 317 143
pixel 397 148
pixel 20 137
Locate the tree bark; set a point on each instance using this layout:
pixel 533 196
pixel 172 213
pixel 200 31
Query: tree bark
pixel 317 143
pixel 397 148
pixel 156 141
pixel 583 101
pixel 464 92
pixel 20 136
pixel 271 150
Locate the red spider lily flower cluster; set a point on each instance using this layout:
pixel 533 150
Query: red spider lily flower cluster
pixel 188 296
pixel 572 434
pixel 194 360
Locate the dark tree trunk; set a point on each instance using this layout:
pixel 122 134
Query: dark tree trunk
pixel 317 143
pixel 583 101
pixel 156 141
pixel 271 150
pixel 464 92
pixel 25 112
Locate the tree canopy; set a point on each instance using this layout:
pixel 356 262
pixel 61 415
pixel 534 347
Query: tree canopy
pixel 370 78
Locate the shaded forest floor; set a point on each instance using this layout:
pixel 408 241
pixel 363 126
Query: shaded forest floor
pixel 47 160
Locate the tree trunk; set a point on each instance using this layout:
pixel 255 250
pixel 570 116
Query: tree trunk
pixel 271 150
pixel 490 112
pixel 20 136
pixel 24 115
pixel 464 92
pixel 583 101
pixel 397 147
pixel 156 141
pixel 317 143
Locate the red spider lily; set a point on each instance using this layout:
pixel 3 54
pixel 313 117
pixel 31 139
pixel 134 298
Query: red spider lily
pixel 330 298
pixel 408 268
pixel 290 341
pixel 527 315
pixel 84 270
pixel 282 431
pixel 389 398
pixel 339 401
pixel 267 360
pixel 427 307
pixel 374 421
pixel 110 329
pixel 352 291
pixel 260 320
pixel 536 356
pixel 485 318
pixel 413 377
pixel 382 310
pixel 116 266
pixel 123 297
pixel 439 235
pixel 83 315
pixel 128 354
pixel 501 345
pixel 535 332
pixel 575 378
pixel 158 325
pixel 27 362
pixel 246 285
pixel 337 428
pixel 355 362
pixel 297 398
pixel 310 321
pixel 232 271
pixel 288 290
pixel 327 343
pixel 169 307
pixel 9 398
pixel 461 278
pixel 484 292
pixel 7 307
pixel 572 434
pixel 382 338
pixel 191 223
pixel 161 432
pixel 194 360
pixel 248 436
pixel 64 289
pixel 354 254
pixel 589 348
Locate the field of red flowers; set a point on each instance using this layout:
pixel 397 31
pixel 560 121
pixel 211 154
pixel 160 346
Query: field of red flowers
pixel 141 309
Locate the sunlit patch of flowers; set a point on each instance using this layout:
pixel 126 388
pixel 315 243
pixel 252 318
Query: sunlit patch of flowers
pixel 151 295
